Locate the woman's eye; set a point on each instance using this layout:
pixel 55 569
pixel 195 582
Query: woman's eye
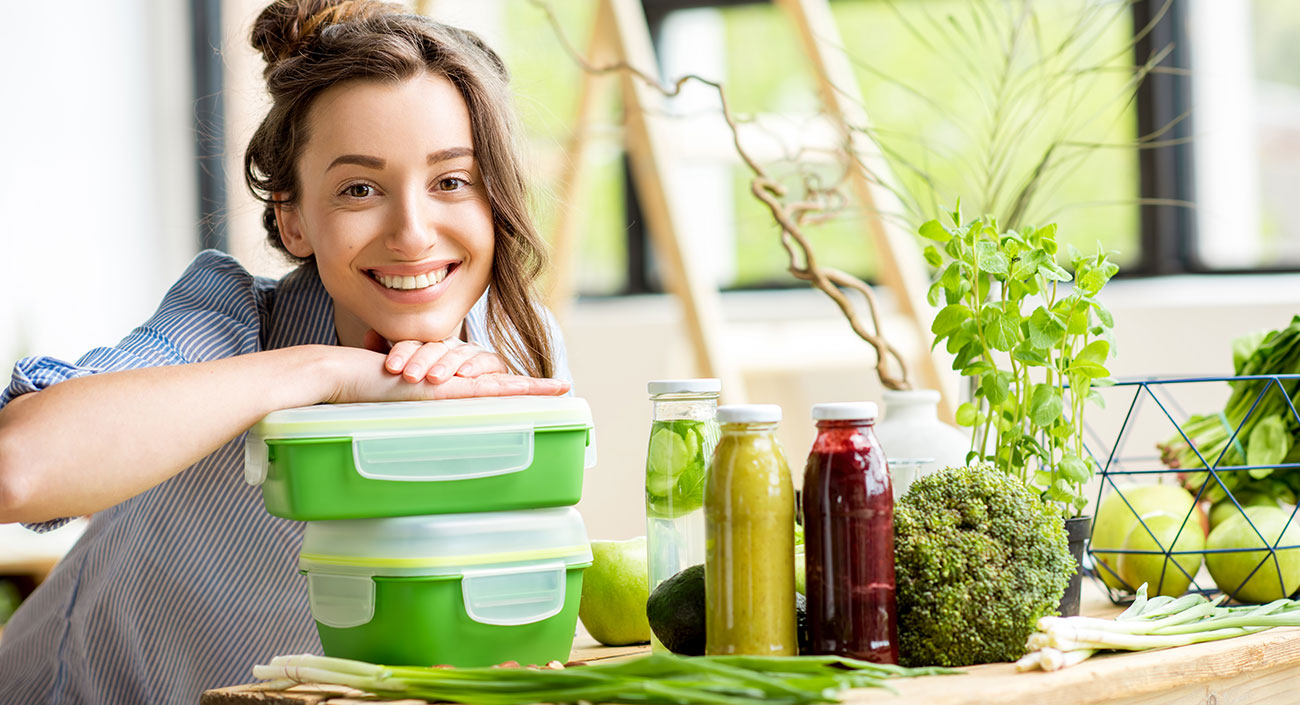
pixel 451 183
pixel 359 190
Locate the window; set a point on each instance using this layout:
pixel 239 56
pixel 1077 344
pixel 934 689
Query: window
pixel 925 84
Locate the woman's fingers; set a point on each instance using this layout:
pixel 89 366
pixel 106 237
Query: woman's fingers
pixel 448 364
pixel 499 385
pixel 400 354
pixel 425 357
pixel 482 363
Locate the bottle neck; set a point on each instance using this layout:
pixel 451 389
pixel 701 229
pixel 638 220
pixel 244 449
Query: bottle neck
pixel 698 407
pixel 829 424
pixel 747 429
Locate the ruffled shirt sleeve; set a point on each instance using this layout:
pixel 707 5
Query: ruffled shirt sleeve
pixel 213 311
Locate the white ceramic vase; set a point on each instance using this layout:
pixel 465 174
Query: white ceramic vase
pixel 915 441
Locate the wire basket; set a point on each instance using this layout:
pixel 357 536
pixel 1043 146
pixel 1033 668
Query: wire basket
pixel 1141 416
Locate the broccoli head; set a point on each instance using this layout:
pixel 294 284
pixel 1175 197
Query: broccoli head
pixel 979 557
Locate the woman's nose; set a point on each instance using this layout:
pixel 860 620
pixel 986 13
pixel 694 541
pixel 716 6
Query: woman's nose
pixel 412 231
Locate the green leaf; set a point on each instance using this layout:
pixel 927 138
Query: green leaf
pixel 1045 405
pixel 1001 328
pixel 966 414
pixel 1074 470
pixel 1053 272
pixel 932 256
pixel 1045 329
pixel 1268 443
pixel 1025 352
pixel 949 319
pixel 1060 492
pixel 1095 352
pixel 996 387
pixel 951 277
pixel 934 230
pixel 977 368
pixel 1103 314
pixel 932 296
pixel 1095 397
pixel 1078 322
pixel 1027 264
pixel 989 259
pixel 1092 281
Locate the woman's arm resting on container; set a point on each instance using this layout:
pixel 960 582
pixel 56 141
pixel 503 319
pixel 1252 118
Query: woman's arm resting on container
pixel 89 443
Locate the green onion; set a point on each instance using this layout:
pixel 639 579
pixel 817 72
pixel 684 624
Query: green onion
pixel 656 678
pixel 1157 623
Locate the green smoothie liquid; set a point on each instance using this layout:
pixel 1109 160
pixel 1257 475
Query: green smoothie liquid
pixel 749 545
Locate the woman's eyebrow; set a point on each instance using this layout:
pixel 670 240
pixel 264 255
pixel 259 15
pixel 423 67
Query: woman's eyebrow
pixel 443 155
pixel 370 162
pixel 358 159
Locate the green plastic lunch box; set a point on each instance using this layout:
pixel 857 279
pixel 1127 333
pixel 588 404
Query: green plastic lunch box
pixel 352 461
pixel 454 589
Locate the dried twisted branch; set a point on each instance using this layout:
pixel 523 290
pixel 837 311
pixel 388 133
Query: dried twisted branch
pixel 817 203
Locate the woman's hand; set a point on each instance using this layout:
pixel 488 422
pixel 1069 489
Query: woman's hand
pixel 436 362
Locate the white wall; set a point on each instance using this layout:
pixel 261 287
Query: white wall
pixel 97 204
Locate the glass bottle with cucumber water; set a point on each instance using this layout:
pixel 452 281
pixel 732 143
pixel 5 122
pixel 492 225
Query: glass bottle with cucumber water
pixel 683 434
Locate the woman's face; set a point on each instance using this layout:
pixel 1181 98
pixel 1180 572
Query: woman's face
pixel 392 204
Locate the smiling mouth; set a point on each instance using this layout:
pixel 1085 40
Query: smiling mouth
pixel 411 283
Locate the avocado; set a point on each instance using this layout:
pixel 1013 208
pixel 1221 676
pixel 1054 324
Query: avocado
pixel 676 611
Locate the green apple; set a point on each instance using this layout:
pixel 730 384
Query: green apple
pixel 614 592
pixel 1163 574
pixel 1225 509
pixel 1116 518
pixel 1230 569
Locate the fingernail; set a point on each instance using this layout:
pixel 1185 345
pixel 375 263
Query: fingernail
pixel 395 364
pixel 438 371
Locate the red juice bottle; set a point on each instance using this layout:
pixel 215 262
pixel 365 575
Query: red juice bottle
pixel 848 509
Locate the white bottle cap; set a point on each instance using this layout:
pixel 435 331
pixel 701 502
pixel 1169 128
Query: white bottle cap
pixel 845 411
pixel 749 413
pixel 684 386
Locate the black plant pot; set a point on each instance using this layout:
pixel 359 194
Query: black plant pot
pixel 1077 530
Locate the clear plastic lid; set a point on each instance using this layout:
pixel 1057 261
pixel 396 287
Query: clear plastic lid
pixel 749 413
pixel 452 439
pixel 333 420
pixel 705 385
pixel 845 411
pixel 445 544
pixel 511 566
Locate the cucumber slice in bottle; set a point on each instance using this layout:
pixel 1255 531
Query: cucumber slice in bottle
pixel 668 453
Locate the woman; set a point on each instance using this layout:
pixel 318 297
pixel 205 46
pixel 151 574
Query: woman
pixel 388 169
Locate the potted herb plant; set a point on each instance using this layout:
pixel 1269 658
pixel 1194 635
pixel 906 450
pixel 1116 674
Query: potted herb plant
pixel 1034 340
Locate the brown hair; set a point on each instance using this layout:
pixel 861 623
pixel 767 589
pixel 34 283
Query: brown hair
pixel 311 45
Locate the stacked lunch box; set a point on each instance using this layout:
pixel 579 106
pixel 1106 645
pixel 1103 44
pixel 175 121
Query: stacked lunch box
pixel 438 532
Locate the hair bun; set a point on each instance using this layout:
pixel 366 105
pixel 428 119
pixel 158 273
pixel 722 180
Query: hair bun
pixel 285 27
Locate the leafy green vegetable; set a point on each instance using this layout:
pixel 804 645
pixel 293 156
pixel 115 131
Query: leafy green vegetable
pixel 1038 352
pixel 656 678
pixel 1259 408
pixel 675 466
pixel 979 558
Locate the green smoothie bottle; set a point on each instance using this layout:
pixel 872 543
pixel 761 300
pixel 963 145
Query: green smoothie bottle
pixel 749 538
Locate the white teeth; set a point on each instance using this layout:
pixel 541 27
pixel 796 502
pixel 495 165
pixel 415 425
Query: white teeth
pixel 422 281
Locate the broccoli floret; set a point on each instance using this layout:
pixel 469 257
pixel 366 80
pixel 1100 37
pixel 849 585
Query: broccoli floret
pixel 979 557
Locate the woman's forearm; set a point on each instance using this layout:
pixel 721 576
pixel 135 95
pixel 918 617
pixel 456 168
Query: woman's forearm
pixel 89 443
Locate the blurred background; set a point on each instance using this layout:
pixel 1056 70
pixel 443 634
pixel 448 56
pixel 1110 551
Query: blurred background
pixel 126 123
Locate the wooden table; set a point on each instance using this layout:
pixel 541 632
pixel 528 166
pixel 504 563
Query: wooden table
pixel 1260 669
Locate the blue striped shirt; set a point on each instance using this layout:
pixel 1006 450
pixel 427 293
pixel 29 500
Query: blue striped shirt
pixel 185 586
